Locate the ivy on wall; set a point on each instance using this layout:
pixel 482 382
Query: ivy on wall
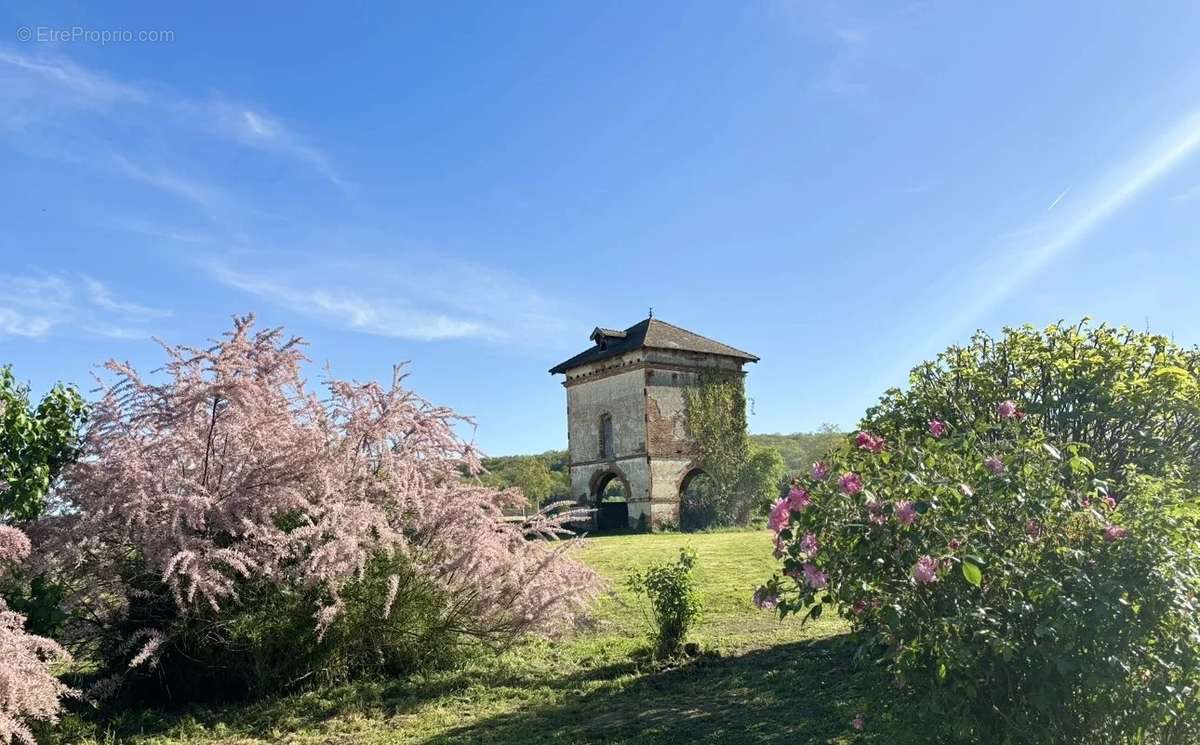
pixel 741 478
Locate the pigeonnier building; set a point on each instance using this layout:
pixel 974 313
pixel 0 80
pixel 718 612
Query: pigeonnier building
pixel 626 418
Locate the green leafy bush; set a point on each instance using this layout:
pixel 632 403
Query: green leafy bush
pixel 1019 596
pixel 1131 397
pixel 671 589
pixel 35 443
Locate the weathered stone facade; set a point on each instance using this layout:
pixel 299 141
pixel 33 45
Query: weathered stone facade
pixel 629 389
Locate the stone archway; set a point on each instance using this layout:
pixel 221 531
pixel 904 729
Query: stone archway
pixel 695 499
pixel 611 504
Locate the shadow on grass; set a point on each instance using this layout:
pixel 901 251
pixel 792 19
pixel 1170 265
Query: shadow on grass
pixel 805 692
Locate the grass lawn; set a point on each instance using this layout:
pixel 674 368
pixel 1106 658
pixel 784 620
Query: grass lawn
pixel 759 681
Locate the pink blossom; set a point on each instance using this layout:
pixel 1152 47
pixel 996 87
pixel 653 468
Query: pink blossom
pixel 1006 410
pixel 937 428
pixel 1115 533
pixel 815 578
pixel 14 545
pixel 994 464
pixel 1109 502
pixel 906 512
pixel 820 471
pixel 189 471
pixel 29 691
pixel 858 723
pixel 780 517
pixel 925 570
pixel 798 499
pixel 955 544
pixel 850 483
pixel 868 441
pixel 764 599
pixel 809 544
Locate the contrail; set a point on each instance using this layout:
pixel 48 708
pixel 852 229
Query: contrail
pixel 1124 184
pixel 1058 199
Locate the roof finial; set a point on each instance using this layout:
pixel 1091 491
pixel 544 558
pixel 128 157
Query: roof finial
pixel 652 311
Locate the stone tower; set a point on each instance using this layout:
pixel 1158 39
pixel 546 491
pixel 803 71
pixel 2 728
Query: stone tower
pixel 625 416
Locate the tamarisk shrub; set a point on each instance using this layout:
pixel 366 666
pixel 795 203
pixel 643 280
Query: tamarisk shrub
pixel 29 691
pixel 231 488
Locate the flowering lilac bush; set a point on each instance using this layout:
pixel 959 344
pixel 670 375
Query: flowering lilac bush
pixel 1014 594
pixel 29 691
pixel 231 486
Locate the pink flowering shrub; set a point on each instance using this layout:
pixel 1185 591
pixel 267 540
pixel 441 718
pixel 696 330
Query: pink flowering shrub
pixel 231 486
pixel 997 579
pixel 29 691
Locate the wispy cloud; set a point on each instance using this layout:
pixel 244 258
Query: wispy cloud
pixel 434 299
pixel 853 42
pixel 184 148
pixel 260 130
pixel 1122 185
pixel 44 97
pixel 34 306
pixel 62 76
pixel 350 309
pixel 99 295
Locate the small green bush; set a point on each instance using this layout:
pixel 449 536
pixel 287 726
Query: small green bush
pixel 671 589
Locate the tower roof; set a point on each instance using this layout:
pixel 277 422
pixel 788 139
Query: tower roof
pixel 651 333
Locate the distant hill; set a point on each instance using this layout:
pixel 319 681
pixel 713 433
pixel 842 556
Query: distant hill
pixel 799 449
pixel 546 474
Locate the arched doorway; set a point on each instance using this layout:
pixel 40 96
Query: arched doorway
pixel 610 498
pixel 697 500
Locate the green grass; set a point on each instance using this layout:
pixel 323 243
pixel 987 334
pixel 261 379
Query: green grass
pixel 759 680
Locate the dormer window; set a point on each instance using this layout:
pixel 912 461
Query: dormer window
pixel 603 337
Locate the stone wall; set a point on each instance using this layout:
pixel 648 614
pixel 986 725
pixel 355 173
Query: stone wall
pixel 622 396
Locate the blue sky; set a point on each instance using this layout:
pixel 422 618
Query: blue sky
pixel 842 189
